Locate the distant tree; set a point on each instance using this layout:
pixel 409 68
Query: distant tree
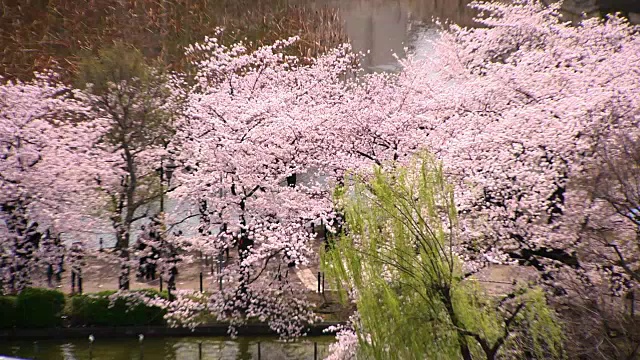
pixel 399 263
pixel 161 29
pixel 134 104
pixel 600 326
pixel 606 313
pixel 612 208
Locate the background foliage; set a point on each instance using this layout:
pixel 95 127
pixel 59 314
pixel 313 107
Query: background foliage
pixel 47 34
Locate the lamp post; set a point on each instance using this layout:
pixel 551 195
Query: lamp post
pixel 167 167
pixel 166 171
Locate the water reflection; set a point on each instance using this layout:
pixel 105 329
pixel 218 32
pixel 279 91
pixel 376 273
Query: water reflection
pixel 191 348
pixel 383 28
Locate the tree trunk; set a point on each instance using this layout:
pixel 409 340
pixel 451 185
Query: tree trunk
pixel 462 340
pixel 244 243
pixel 123 230
pixel 123 240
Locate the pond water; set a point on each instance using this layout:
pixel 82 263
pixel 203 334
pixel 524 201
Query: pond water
pixel 383 28
pixel 170 348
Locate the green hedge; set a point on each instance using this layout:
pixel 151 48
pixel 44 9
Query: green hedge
pixel 43 308
pixel 39 308
pixel 94 310
pixel 8 313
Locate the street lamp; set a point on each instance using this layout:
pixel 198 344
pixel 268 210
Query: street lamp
pixel 169 168
pixel 165 169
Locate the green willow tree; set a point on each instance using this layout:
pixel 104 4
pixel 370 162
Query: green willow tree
pixel 397 260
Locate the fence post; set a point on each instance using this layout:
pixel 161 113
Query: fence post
pixel 160 282
pixel 200 350
pixel 319 274
pixel 259 352
pixel 220 259
pixel 201 288
pixel 141 339
pixel 323 282
pixel 91 339
pixel 315 350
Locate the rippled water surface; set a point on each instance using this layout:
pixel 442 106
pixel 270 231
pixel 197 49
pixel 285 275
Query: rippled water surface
pixel 187 348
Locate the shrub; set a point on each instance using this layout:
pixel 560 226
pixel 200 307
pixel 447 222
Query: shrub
pixel 39 308
pixel 8 311
pixel 94 310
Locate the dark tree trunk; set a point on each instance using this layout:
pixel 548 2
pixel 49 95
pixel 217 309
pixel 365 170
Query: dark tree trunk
pixel 462 340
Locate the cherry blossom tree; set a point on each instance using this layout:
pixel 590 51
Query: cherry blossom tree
pixel 42 151
pixel 534 119
pixel 517 110
pixel 242 147
pixel 540 98
pixel 373 125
